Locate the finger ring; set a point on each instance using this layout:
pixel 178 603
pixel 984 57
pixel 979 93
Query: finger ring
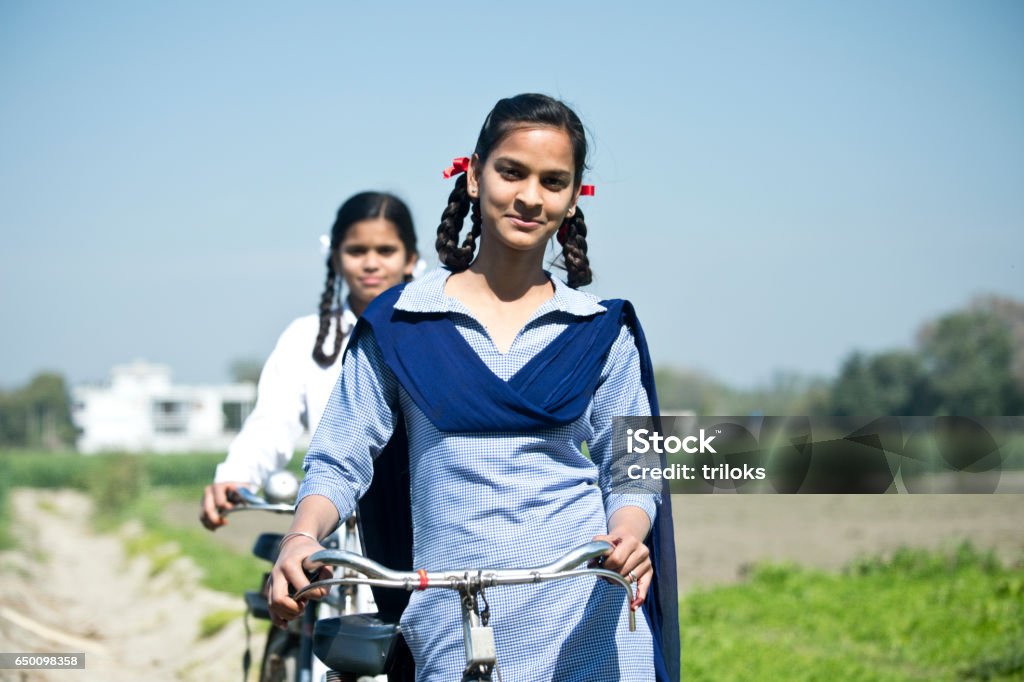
pixel 633 576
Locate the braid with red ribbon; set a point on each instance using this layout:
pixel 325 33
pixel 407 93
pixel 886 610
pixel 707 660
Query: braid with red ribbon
pixel 585 191
pixel 572 235
pixel 452 255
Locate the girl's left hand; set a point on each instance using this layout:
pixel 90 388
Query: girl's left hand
pixel 631 558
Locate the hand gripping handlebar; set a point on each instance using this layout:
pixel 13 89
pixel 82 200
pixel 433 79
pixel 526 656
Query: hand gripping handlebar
pixel 246 500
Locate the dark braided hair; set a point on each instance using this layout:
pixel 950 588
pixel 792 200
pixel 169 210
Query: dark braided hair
pixel 360 207
pixel 574 251
pixel 449 252
pixel 507 115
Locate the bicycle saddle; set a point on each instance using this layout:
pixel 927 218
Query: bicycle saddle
pixel 360 644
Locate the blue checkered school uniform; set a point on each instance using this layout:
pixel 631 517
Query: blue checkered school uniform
pixel 497 500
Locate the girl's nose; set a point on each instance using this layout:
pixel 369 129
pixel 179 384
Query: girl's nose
pixel 529 193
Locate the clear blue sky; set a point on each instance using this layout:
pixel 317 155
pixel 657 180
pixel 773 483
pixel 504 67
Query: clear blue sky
pixel 778 184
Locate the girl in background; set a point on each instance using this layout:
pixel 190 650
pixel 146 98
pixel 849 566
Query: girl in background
pixel 372 248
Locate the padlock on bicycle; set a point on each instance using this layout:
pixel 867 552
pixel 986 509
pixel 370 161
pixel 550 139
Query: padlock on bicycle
pixel 481 653
pixel 480 649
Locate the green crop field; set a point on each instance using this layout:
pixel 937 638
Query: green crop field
pixel 915 616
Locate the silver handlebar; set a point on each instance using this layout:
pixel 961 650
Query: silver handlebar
pixel 462 580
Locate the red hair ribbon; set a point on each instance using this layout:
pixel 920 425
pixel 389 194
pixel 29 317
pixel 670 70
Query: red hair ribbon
pixel 563 231
pixel 459 165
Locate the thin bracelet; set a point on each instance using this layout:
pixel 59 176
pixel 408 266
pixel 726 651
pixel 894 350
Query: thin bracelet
pixel 295 533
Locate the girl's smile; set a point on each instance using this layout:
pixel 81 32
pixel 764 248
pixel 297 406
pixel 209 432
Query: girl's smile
pixel 525 224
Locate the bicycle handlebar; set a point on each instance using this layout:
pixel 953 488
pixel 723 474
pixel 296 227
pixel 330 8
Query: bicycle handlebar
pixel 462 580
pixel 246 500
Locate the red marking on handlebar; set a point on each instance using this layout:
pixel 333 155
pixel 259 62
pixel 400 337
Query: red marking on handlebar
pixel 424 581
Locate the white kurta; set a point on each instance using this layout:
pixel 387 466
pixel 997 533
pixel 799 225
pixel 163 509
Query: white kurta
pixel 291 396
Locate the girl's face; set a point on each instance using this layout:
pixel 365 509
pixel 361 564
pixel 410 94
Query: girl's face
pixel 372 259
pixel 525 187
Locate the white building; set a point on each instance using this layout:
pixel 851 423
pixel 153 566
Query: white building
pixel 140 410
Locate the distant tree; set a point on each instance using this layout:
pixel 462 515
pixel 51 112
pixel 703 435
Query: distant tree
pixel 246 369
pixel 688 390
pixel 12 421
pixel 788 393
pixel 38 415
pixel 1011 312
pixel 969 357
pixel 893 383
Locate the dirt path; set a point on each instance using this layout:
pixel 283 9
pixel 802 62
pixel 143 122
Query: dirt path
pixel 67 589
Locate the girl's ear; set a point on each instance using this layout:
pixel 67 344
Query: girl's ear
pixel 572 206
pixel 410 265
pixel 473 177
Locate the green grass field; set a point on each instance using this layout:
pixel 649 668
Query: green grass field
pixel 915 616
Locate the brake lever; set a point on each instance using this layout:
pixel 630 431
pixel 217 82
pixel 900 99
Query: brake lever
pixel 312 577
pixel 245 496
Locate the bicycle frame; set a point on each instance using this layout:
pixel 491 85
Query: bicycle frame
pixel 308 667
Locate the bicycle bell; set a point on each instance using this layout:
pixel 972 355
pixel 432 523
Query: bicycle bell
pixel 281 487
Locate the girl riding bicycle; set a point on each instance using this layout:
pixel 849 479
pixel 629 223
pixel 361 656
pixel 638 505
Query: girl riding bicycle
pixel 499 373
pixel 372 248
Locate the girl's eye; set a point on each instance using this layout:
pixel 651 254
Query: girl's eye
pixel 355 251
pixel 510 173
pixel 387 250
pixel 555 184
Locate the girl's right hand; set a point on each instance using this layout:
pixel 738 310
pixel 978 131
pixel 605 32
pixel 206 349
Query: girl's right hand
pixel 288 577
pixel 217 498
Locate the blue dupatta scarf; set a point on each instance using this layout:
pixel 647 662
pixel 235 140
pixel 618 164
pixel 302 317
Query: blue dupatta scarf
pixel 552 389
